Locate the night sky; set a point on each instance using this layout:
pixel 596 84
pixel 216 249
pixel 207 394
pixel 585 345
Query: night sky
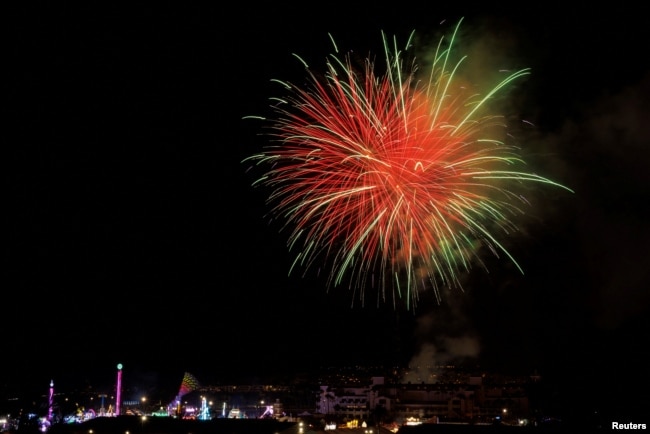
pixel 132 233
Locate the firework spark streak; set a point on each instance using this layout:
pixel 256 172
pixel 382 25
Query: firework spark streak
pixel 398 181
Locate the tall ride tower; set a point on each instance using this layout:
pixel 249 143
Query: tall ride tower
pixel 118 393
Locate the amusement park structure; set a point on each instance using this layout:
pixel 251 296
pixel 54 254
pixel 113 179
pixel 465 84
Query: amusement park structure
pixel 112 406
pixel 118 398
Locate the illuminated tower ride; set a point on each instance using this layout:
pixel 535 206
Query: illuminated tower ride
pixel 118 394
pixel 50 403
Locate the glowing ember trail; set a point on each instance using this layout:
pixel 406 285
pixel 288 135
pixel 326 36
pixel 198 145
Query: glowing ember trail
pixel 396 181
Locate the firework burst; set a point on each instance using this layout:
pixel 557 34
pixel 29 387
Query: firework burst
pixel 397 182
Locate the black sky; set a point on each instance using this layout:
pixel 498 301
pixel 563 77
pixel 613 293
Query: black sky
pixel 132 233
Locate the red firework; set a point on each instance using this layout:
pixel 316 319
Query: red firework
pixel 393 177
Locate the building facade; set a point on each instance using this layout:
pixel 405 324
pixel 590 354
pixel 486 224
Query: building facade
pixel 472 401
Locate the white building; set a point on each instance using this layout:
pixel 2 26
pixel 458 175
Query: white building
pixel 424 402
